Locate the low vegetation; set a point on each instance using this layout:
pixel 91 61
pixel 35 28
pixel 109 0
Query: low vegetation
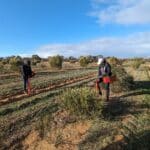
pixel 56 62
pixel 84 61
pixel 124 81
pixel 82 101
pixel 74 116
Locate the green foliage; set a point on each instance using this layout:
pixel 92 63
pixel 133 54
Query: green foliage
pixel 124 81
pixel 72 59
pixel 56 62
pixel 35 59
pixel 90 58
pixel 84 61
pixel 146 102
pixel 1 66
pixel 81 101
pixel 15 62
pixel 5 61
pixel 136 132
pixel 43 125
pixel 114 61
pixel 147 71
pixel 137 62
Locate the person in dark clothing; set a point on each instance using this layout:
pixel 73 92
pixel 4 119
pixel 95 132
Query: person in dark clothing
pixel 26 73
pixel 104 71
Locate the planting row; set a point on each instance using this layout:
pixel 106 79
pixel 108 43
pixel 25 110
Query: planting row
pixel 42 81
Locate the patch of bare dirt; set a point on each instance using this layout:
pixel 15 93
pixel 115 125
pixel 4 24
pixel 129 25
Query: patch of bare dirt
pixel 66 138
pixel 65 134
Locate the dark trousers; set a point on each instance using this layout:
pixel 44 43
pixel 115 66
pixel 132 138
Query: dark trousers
pixel 107 91
pixel 25 81
pixel 106 87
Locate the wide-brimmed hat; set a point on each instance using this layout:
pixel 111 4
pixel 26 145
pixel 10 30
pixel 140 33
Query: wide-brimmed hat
pixel 100 60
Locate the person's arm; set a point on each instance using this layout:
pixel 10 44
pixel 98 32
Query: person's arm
pixel 30 72
pixel 108 70
pixel 99 72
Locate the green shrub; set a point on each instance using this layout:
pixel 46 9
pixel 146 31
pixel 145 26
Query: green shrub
pixel 5 61
pixel 114 61
pixel 35 59
pixel 137 62
pixel 43 125
pixel 1 66
pixel 81 101
pixel 124 81
pixel 146 102
pixel 15 63
pixel 147 71
pixel 84 61
pixel 56 62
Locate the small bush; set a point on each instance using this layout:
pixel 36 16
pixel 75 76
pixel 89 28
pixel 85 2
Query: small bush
pixel 114 61
pixel 15 63
pixel 124 81
pixel 81 101
pixel 35 59
pixel 84 61
pixel 137 63
pixel 56 62
pixel 43 125
pixel 1 66
pixel 42 65
pixel 146 102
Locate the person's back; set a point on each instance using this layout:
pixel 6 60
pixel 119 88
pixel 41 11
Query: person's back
pixel 26 73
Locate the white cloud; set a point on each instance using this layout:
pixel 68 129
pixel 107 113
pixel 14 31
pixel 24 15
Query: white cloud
pixel 125 12
pixel 25 55
pixel 130 46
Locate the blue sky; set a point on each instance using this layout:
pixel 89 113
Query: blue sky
pixel 75 27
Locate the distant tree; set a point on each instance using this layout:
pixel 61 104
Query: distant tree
pixel 72 59
pixel 5 60
pixel 56 61
pixel 35 59
pixel 84 61
pixel 1 58
pixel 15 63
pixel 114 61
pixel 1 66
pixel 91 58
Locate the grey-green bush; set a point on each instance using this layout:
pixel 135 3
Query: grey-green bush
pixel 56 62
pixel 124 81
pixel 81 101
pixel 84 61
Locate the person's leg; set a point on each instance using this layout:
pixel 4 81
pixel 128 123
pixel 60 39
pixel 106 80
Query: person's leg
pixel 25 84
pixel 99 86
pixel 29 86
pixel 107 91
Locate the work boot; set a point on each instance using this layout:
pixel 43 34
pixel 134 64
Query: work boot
pixel 100 93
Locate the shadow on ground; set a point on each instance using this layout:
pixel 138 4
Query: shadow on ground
pixel 142 85
pixel 136 142
pixel 116 108
pixel 122 106
pixel 141 88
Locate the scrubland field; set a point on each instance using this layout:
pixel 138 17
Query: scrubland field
pixel 65 112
